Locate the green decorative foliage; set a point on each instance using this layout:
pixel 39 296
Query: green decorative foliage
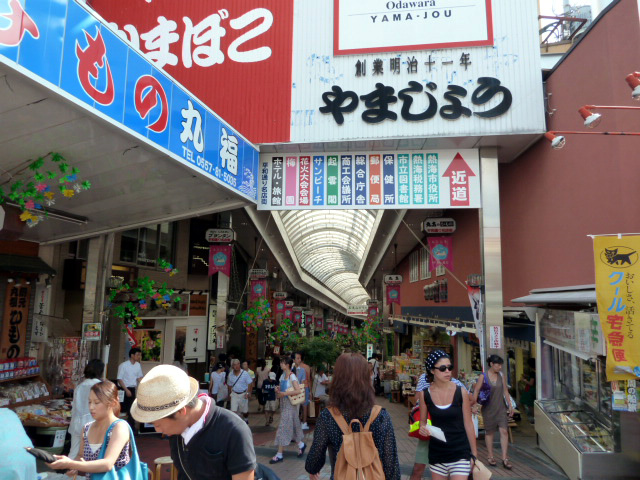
pixel 254 317
pixel 145 294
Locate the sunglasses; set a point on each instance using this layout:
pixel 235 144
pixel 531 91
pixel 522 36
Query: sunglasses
pixel 443 368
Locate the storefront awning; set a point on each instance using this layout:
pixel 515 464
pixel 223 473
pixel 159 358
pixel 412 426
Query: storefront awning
pixel 22 264
pixel 149 150
pixel 578 295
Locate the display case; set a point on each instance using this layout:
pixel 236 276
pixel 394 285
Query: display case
pixel 580 426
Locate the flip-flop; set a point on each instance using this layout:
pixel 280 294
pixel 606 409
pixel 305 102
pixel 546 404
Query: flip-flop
pixel 491 461
pixel 507 464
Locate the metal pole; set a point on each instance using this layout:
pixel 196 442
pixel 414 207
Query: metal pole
pixel 491 252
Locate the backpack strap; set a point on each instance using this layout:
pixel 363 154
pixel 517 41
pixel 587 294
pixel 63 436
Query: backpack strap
pixel 342 423
pixel 375 411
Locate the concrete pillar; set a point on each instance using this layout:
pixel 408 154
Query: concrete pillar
pixel 491 250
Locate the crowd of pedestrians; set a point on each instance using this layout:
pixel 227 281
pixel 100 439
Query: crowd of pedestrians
pixel 209 435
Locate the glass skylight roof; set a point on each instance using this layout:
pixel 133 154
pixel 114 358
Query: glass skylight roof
pixel 330 245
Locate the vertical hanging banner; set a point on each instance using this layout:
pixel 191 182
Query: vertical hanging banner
pixel 220 259
pixel 393 294
pixel 14 321
pixel 319 323
pixel 618 294
pixel 475 298
pixel 441 252
pixel 258 289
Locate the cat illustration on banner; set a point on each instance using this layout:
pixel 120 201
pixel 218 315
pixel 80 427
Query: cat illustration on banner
pixel 619 256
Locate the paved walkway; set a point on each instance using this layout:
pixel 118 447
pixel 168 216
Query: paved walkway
pixel 528 461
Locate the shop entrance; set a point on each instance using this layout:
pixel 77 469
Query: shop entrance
pixel 185 341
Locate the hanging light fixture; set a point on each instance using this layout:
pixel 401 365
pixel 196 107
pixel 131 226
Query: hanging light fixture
pixel 633 80
pixel 591 119
pixel 557 141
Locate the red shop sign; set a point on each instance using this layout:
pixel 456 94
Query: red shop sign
pixel 234 55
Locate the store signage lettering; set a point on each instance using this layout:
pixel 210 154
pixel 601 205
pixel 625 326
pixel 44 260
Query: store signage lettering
pixel 220 235
pixel 337 102
pixel 357 310
pixel 393 279
pixel 438 179
pixel 216 49
pixel 439 225
pixel 258 273
pixel 616 262
pixel 280 295
pixel 383 25
pixel 495 337
pixel 70 48
pixel 411 64
pixel 91 332
pixel 14 321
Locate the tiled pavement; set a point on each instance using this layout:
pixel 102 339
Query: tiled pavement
pixel 528 461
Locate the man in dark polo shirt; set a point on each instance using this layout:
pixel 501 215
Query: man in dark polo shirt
pixel 207 442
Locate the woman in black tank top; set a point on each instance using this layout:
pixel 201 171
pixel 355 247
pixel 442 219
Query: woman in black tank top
pixel 450 411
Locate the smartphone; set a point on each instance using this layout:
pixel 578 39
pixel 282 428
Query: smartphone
pixel 41 454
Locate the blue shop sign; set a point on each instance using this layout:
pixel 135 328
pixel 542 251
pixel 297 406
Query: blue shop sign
pixel 63 46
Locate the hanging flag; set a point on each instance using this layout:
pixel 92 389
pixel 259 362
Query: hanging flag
pixel 258 289
pixel 279 306
pixel 393 294
pixel 441 252
pixel 319 323
pixel 220 259
pixel 288 312
pixel 475 298
pixel 616 262
pixel 297 317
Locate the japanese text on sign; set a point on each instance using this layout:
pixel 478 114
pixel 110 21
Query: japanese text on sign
pixel 439 179
pixel 616 262
pixel 14 322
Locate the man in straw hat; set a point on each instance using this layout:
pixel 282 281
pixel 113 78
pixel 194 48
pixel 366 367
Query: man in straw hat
pixel 207 442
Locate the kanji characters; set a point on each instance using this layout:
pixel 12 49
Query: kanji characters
pixel 361 68
pixel 378 67
pixel 619 355
pixel 229 152
pixel 412 65
pixel 615 339
pixel 377 103
pixel 394 65
pixel 334 106
pixel 615 321
pixel 192 127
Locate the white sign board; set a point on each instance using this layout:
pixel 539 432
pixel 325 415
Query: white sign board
pixel 280 295
pixel 392 279
pixel 220 235
pixel 211 339
pixel 382 180
pixel 256 273
pixel 392 26
pixel 495 337
pixel 439 225
pixel 357 310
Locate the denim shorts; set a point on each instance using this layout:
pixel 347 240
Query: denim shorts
pixel 307 396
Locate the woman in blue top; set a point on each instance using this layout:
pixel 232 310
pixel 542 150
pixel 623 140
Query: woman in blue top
pixel 450 411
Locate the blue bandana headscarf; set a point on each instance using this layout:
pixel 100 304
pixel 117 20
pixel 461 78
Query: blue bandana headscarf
pixel 433 358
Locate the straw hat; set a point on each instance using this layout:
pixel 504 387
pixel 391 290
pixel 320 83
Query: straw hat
pixel 162 391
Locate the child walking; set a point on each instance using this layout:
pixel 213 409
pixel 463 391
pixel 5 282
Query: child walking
pixel 269 396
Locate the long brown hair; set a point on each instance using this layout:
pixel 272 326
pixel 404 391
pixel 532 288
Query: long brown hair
pixel 351 390
pixel 107 393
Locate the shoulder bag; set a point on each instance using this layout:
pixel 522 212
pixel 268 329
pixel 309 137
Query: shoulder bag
pixel 485 391
pixel 134 470
pixel 297 398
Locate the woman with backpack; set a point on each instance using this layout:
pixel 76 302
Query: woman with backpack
pixel 495 412
pixel 450 410
pixel 290 428
pixel 352 404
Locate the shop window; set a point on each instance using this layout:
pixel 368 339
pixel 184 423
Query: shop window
pixel 414 266
pixel 425 273
pixel 144 246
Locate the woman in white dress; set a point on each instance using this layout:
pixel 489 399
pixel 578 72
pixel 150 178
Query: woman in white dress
pixel 80 407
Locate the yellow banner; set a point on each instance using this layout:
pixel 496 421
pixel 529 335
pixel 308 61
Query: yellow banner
pixel 618 293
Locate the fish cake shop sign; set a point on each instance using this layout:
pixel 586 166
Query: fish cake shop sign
pixel 392 26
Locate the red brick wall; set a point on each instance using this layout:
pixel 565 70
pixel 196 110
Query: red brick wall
pixel 552 199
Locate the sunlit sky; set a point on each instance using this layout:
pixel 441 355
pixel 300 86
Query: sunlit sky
pixel 551 7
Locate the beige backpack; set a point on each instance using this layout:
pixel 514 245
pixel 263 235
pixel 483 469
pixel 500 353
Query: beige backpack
pixel 358 457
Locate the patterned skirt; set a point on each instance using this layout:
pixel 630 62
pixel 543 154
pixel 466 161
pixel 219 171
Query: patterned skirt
pixel 290 427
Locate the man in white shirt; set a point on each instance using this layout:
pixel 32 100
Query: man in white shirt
pixel 129 375
pixel 240 384
pixel 322 381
